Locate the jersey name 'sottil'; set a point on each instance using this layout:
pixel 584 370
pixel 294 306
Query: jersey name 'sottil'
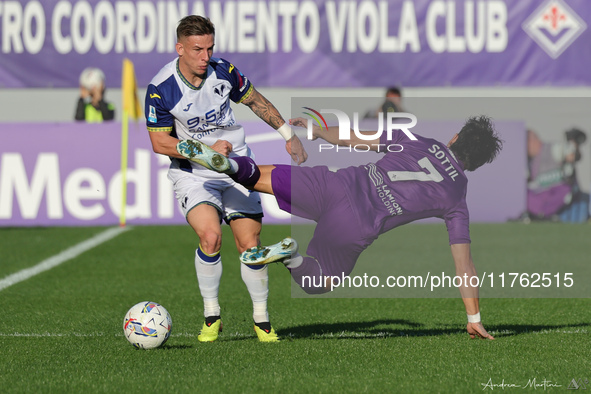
pixel 424 180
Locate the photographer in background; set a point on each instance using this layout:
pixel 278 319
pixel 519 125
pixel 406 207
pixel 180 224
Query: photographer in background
pixel 392 103
pixel 553 191
pixel 92 107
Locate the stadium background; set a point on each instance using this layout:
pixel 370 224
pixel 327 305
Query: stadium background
pixel 61 329
pixel 432 49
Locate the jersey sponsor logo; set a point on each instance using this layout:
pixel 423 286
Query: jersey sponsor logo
pixel 374 175
pixel 554 26
pixel 242 81
pixel 154 95
pixel 383 191
pixel 152 115
pixel 214 118
pixel 197 135
pixel 243 85
pixel 188 106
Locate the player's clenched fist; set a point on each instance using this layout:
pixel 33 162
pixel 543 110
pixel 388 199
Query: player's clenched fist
pixel 223 147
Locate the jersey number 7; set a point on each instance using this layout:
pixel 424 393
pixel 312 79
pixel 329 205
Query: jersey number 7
pixel 431 175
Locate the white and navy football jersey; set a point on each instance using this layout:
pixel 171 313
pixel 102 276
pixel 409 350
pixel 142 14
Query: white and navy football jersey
pixel 201 112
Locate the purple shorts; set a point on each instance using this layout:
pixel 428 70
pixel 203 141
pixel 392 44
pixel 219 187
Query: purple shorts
pixel 315 193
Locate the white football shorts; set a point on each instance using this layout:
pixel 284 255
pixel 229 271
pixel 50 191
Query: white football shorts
pixel 229 198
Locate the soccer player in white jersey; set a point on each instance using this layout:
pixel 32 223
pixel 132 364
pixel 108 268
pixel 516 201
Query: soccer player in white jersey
pixel 189 99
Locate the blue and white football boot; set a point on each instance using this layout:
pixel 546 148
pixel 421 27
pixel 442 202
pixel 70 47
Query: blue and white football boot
pixel 202 154
pixel 277 253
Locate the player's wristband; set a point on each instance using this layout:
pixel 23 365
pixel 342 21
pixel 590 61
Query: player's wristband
pixel 474 318
pixel 285 132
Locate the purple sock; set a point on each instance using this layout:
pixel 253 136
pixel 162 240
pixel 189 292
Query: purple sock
pixel 309 276
pixel 248 173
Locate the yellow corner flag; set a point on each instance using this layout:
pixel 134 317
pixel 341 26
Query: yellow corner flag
pixel 131 104
pixel 131 109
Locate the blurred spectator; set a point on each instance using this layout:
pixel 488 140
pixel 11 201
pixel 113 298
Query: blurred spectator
pixel 553 191
pixel 92 106
pixel 393 103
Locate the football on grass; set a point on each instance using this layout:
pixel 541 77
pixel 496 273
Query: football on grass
pixel 147 325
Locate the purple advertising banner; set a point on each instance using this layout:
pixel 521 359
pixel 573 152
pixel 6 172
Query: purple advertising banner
pixel 303 43
pixel 69 174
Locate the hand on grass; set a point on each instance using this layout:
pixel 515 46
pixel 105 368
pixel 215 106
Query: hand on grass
pixel 477 330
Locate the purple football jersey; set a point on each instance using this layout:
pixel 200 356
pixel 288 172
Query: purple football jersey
pixel 421 180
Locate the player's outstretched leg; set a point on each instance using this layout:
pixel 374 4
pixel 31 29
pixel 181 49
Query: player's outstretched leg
pixel 277 253
pixel 286 252
pixel 204 155
pixel 242 170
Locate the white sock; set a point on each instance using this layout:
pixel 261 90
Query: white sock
pixel 257 283
pixel 209 274
pixel 294 262
pixel 234 167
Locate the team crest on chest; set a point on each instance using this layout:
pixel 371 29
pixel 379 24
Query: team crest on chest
pixel 219 89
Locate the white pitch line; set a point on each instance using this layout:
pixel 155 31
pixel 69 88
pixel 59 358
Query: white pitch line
pixel 102 334
pixel 61 257
pixel 292 336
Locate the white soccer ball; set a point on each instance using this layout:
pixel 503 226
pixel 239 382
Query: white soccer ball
pixel 147 325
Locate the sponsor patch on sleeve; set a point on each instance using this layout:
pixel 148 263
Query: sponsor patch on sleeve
pixel 244 85
pixel 152 115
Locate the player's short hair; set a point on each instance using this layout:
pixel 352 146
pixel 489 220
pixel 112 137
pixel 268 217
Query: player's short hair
pixel 194 25
pixel 477 143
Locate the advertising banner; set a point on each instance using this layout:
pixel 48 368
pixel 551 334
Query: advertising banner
pixel 69 174
pixel 304 43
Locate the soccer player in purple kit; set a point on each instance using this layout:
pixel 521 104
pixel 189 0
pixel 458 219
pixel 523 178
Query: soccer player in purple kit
pixel 424 179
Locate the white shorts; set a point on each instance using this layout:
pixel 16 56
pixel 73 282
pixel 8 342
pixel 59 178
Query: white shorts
pixel 229 198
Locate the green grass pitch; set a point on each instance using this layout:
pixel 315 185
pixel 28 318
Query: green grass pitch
pixel 61 331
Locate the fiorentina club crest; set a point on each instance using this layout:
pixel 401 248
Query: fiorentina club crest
pixel 554 26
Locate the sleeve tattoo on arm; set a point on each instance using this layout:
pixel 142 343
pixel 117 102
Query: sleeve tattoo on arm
pixel 264 109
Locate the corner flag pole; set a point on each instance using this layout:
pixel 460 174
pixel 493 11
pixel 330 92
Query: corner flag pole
pixel 131 108
pixel 124 150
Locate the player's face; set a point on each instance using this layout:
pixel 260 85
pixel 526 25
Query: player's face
pixel 194 54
